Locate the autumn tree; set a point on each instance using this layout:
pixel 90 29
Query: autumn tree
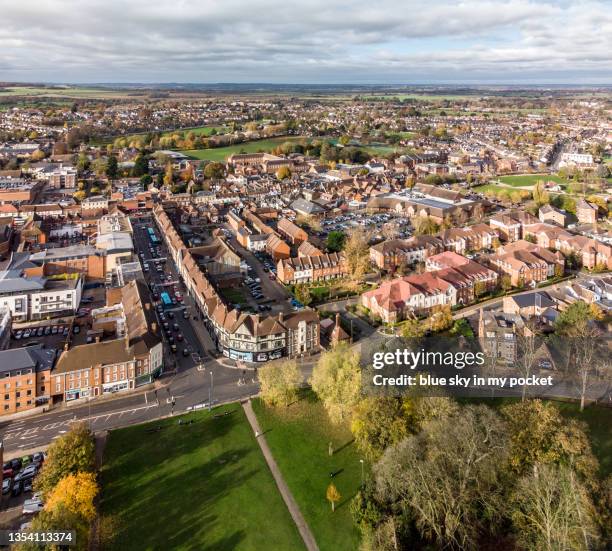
pixel 283 173
pixel 357 253
pixel 424 225
pixel 333 495
pixel 380 422
pixel 279 383
pixel 448 477
pixel 540 195
pixel 540 435
pixel 168 174
pixel 336 380
pixel 552 510
pixel 71 453
pixel 302 293
pixel 75 492
pixel 308 221
pixel 441 318
pixel 214 171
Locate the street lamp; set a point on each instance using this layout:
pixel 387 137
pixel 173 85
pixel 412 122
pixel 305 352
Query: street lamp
pixel 210 391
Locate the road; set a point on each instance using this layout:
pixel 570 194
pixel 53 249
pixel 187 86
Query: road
pixel 187 382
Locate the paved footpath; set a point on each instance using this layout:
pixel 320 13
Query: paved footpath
pixel 299 520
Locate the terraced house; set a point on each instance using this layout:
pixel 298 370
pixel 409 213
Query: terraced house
pixel 239 335
pixel 305 269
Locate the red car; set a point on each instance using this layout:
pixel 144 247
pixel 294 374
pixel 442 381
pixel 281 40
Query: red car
pixel 179 336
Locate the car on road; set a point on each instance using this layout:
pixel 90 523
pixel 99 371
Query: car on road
pixel 173 348
pixel 185 352
pixel 185 314
pixel 176 327
pixel 179 337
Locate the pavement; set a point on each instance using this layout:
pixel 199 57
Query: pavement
pixel 286 494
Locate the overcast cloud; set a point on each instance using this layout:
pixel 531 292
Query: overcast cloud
pixel 309 41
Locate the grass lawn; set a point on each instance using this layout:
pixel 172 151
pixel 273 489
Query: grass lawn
pixel 530 179
pixel 221 153
pixel 299 437
pixel 203 486
pixel 234 295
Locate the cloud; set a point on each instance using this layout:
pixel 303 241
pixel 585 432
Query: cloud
pixel 310 41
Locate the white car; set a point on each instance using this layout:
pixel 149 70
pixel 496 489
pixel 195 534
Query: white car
pixel 31 506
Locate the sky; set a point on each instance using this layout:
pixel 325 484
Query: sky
pixel 307 41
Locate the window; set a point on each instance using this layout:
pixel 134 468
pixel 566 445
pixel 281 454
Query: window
pixel 17 394
pixel 6 406
pixel 6 396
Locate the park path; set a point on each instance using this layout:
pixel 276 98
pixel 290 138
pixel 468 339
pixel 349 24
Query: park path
pixel 296 514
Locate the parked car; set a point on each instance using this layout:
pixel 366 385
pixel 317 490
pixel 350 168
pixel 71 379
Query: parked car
pixel 6 486
pixel 54 330
pixel 17 488
pixel 76 329
pixel 16 464
pixel 31 506
pixel 27 333
pixel 27 485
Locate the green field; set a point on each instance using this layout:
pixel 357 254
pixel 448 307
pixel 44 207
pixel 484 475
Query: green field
pixel 299 436
pixel 69 92
pixel 530 179
pixel 203 486
pixel 222 153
